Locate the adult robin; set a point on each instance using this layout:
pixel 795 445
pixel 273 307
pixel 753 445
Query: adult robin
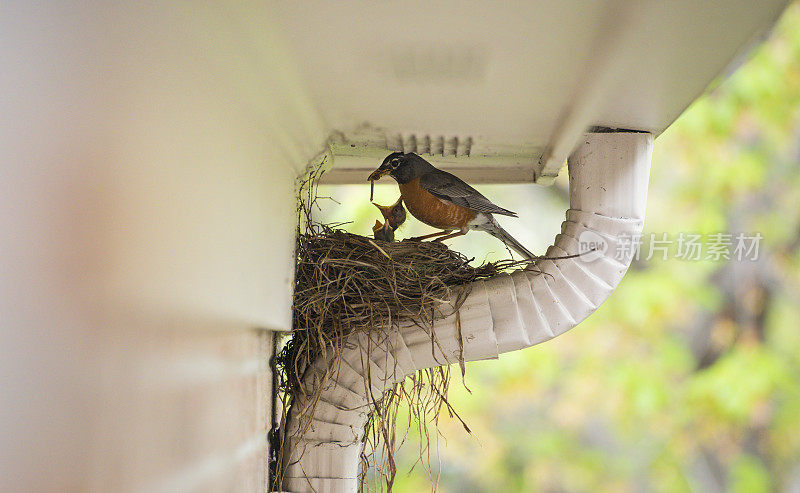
pixel 394 215
pixel 442 200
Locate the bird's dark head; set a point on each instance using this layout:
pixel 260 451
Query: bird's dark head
pixel 401 167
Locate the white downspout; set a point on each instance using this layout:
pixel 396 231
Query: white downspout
pixel 608 175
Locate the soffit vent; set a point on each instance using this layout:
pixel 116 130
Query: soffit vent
pixel 432 146
pixel 474 159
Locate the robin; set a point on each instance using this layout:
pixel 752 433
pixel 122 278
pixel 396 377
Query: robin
pixel 382 231
pixel 442 200
pixel 394 215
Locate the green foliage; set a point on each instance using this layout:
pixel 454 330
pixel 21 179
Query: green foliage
pixel 734 390
pixel 748 475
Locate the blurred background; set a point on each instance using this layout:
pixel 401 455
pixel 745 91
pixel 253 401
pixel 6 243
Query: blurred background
pixel 688 378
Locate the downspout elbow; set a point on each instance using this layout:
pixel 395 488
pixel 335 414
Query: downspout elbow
pixel 608 178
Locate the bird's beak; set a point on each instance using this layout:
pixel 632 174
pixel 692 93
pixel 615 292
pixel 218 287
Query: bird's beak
pixel 384 209
pixel 378 225
pixel 378 173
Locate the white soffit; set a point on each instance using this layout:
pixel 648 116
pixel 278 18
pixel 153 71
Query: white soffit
pixel 507 88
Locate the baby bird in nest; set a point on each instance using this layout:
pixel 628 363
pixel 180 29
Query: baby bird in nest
pixel 394 215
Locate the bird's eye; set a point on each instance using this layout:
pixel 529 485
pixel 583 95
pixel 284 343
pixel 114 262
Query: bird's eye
pixel 394 163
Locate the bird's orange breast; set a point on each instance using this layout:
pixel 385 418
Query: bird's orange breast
pixel 434 211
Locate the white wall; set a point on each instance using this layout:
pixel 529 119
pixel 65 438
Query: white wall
pixel 148 158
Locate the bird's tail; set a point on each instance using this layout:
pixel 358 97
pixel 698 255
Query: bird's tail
pixel 501 234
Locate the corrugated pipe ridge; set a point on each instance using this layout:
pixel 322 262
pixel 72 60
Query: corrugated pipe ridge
pixel 608 189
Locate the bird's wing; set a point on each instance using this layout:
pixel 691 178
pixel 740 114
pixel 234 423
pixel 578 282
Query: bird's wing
pixel 453 189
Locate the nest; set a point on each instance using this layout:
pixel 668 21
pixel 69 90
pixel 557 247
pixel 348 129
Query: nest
pixel 345 283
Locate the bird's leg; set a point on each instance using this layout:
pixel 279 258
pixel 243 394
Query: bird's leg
pixel 452 235
pixel 420 238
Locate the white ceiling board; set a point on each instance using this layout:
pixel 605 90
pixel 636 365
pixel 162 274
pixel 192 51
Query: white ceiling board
pixel 512 73
pixel 683 47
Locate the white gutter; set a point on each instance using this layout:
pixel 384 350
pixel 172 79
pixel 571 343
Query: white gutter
pixel 608 176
